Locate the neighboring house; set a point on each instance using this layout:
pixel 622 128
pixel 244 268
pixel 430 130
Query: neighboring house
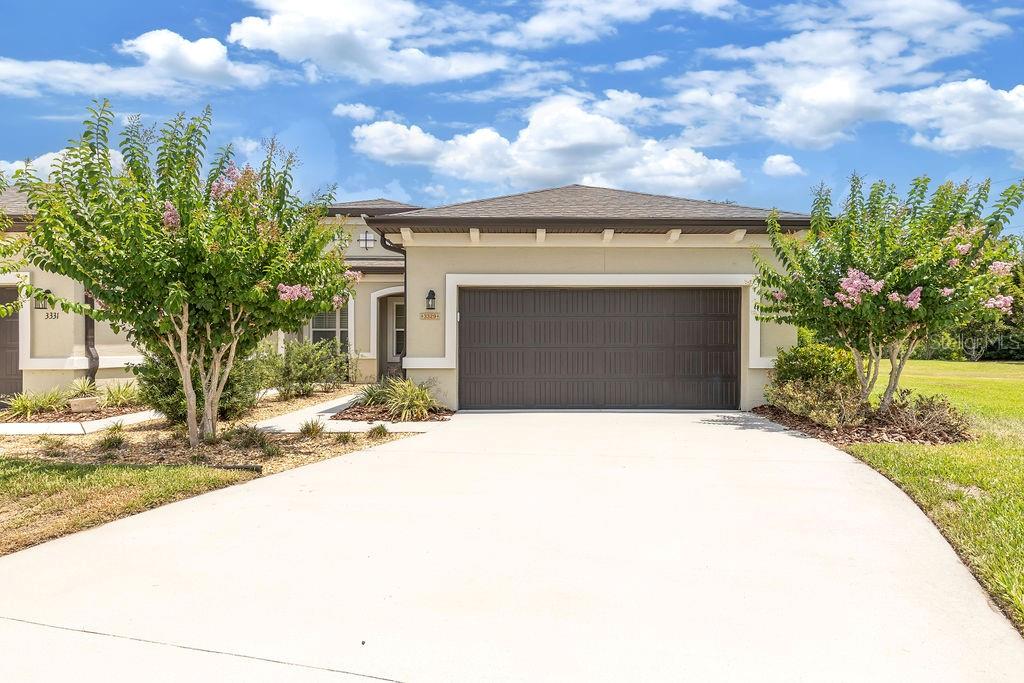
pixel 572 297
pixel 42 348
pixel 586 297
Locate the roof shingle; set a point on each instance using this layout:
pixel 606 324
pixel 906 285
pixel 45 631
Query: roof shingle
pixel 587 202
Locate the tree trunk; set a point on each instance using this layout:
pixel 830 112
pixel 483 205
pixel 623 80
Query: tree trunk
pixel 180 353
pixel 899 354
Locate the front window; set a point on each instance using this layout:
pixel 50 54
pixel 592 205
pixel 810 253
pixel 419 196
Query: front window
pixel 330 326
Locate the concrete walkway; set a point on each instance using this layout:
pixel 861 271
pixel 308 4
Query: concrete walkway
pixel 520 547
pixel 290 422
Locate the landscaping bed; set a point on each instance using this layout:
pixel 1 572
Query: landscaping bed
pixel 65 415
pixel 873 430
pixel 361 413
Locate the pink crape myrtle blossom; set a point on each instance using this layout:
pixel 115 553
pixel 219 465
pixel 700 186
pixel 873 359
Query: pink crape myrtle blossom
pixel 1000 268
pixel 947 291
pixel 354 275
pixel 895 296
pixel 294 292
pixel 778 295
pixel 962 249
pixel 339 300
pixel 913 300
pixel 827 303
pixel 1001 302
pixel 953 262
pixel 854 286
pixel 225 182
pixel 171 217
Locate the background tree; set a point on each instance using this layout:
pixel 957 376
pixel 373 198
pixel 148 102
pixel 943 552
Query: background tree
pixel 11 248
pixel 885 273
pixel 196 267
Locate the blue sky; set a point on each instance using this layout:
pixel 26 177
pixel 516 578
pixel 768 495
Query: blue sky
pixel 434 103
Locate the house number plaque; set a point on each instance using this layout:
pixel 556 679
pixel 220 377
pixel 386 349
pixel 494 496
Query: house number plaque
pixel 430 315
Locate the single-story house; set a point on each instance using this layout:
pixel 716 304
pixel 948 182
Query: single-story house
pixel 584 297
pixel 570 297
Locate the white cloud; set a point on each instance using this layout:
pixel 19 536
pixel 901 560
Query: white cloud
pixel 529 80
pixel 625 105
pixel 563 141
pixel 43 164
pixel 640 63
pixel 845 64
pixel 169 65
pixel 392 190
pixel 382 41
pixel 965 115
pixel 248 150
pixel 781 165
pixel 355 110
pixel 579 21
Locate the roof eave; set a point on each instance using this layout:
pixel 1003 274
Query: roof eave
pixel 394 223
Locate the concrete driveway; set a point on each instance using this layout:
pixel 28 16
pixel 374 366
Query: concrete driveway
pixel 520 547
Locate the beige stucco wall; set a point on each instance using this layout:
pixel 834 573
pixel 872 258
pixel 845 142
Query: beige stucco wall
pixel 53 340
pixel 427 267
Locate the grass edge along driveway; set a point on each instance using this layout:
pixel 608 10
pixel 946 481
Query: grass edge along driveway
pixel 973 491
pixel 42 500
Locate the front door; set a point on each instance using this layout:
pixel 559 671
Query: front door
pixel 10 373
pixel 394 341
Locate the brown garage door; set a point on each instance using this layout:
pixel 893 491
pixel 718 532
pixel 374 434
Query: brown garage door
pixel 599 348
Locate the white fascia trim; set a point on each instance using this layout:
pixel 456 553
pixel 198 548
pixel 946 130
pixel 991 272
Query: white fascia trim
pixel 671 239
pixel 455 280
pixel 374 315
pixel 25 359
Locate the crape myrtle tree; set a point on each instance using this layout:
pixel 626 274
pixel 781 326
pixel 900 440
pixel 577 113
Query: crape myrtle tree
pixel 196 263
pixel 885 273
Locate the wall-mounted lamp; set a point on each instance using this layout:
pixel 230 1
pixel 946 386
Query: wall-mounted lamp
pixel 42 304
pixel 431 300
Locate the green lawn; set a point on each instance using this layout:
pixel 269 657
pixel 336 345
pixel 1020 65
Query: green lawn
pixel 41 500
pixel 973 491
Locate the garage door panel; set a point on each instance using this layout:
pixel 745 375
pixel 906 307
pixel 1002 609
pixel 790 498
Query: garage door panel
pixel 599 348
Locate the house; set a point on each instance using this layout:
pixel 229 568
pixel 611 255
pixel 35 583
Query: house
pixel 585 297
pixel 42 348
pixel 570 297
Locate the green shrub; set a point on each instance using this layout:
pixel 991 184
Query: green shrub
pixel 312 427
pixel 814 362
pixel 267 364
pixel 408 400
pixel 373 395
pixel 378 431
pixel 247 436
pixel 28 403
pixel 830 404
pixel 82 387
pixel 404 399
pixel 121 395
pixel 307 367
pixel 160 388
pixel 344 438
pixel 113 437
pixel 931 416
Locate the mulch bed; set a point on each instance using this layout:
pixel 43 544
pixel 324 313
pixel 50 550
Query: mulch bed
pixel 67 416
pixel 872 431
pixel 359 413
pixel 158 443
